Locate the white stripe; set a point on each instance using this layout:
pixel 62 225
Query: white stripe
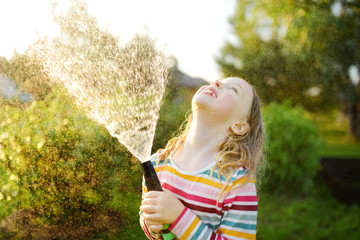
pixel 252 203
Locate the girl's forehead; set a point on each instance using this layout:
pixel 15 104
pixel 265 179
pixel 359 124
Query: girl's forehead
pixel 235 80
pixel 242 83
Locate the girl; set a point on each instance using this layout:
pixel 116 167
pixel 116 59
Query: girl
pixel 208 172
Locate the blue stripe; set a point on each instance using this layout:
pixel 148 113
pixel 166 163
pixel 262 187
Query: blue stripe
pixel 239 225
pixel 198 231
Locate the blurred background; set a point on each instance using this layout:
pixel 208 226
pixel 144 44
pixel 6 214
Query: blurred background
pixel 62 176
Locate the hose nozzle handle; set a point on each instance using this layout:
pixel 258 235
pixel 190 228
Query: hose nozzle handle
pixel 151 179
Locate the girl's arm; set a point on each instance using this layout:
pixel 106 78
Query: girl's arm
pixel 238 221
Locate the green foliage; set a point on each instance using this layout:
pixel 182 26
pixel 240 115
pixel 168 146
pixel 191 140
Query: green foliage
pixel 334 129
pixel 60 164
pixel 320 217
pixel 172 115
pixel 299 50
pixel 292 149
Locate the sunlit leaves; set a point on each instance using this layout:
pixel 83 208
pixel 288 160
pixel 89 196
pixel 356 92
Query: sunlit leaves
pixel 285 48
pixel 57 162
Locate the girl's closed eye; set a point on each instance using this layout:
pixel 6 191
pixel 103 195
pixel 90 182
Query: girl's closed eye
pixel 235 90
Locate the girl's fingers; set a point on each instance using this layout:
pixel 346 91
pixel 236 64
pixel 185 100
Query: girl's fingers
pixel 156 227
pixel 148 208
pixel 153 218
pixel 149 201
pixel 152 194
pixel 150 222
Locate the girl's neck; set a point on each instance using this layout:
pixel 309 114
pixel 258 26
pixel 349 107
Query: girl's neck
pixel 200 147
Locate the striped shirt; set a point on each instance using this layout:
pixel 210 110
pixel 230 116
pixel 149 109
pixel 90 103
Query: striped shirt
pixel 232 217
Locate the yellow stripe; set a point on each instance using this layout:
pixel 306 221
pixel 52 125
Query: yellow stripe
pixel 238 234
pixel 144 189
pixel 197 179
pixel 241 180
pixel 190 228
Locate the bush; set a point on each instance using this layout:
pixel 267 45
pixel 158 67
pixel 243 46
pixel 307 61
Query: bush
pixel 60 164
pixel 172 115
pixel 292 149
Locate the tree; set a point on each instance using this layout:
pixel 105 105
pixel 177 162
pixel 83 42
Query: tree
pixel 298 50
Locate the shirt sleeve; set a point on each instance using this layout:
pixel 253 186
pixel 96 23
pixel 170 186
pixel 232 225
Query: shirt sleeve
pixel 239 218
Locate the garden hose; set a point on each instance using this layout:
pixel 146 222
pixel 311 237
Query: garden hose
pixel 153 184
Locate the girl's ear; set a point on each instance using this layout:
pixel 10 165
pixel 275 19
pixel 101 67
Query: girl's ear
pixel 240 128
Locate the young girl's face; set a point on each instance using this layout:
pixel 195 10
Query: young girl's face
pixel 229 99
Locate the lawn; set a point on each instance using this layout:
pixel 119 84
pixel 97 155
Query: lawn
pixel 320 216
pixel 335 131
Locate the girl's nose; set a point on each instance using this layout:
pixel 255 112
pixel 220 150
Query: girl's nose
pixel 217 83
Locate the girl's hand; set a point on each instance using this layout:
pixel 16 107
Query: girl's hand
pixel 154 228
pixel 160 208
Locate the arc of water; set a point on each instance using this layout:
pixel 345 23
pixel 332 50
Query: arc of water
pixel 122 92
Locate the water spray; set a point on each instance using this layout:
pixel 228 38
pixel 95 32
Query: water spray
pixel 121 88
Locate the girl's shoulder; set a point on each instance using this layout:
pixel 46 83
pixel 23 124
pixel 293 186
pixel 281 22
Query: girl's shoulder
pixel 238 173
pixel 155 158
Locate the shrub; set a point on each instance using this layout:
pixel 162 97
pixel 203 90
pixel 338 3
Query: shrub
pixel 172 114
pixel 60 164
pixel 292 149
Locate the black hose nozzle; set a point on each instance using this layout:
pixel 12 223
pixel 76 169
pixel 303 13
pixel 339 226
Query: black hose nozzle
pixel 153 184
pixel 151 179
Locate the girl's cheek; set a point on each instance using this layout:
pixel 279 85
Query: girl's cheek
pixel 228 105
pixel 229 101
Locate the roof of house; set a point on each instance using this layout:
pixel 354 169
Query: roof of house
pixel 190 82
pixel 9 89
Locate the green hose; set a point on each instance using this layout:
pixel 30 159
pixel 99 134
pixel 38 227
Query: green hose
pixel 167 235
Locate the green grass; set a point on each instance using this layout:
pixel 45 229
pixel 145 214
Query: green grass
pixel 341 150
pixel 129 228
pixel 313 217
pixel 334 129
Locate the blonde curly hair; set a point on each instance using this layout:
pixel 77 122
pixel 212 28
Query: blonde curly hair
pixel 235 152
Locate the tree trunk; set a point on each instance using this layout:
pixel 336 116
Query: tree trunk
pixel 354 116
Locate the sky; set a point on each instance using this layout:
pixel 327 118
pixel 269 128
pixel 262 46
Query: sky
pixel 191 30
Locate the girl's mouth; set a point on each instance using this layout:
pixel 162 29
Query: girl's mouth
pixel 211 92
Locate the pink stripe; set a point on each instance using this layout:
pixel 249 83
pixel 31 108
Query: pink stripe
pixel 189 196
pixel 178 219
pixel 201 200
pixel 186 184
pixel 247 188
pixel 185 221
pixel 147 233
pixel 241 199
